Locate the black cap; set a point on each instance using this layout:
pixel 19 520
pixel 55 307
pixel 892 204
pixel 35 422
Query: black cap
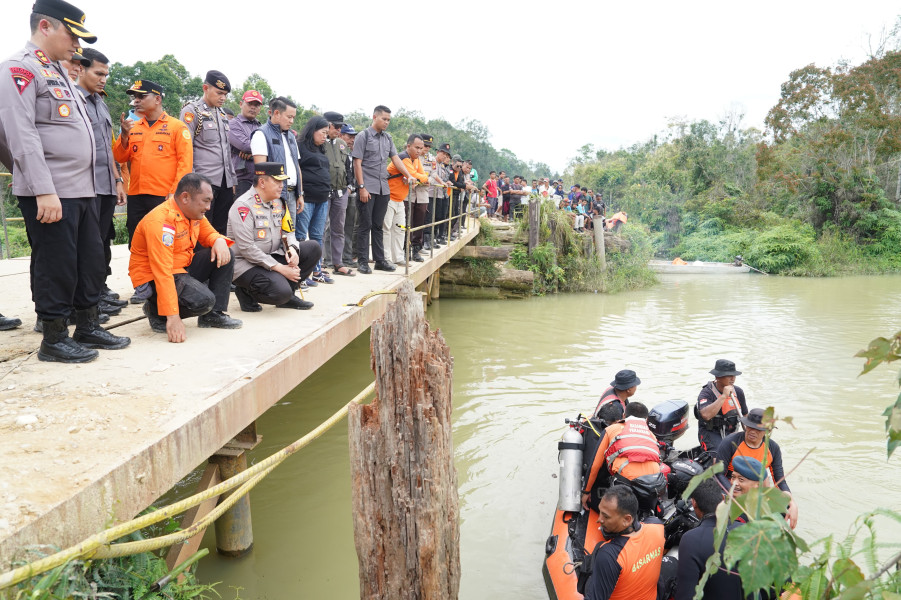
pixel 625 379
pixel 145 86
pixel 272 169
pixel 427 139
pixel 333 117
pixel 218 80
pixel 444 148
pixel 79 58
pixel 754 420
pixel 71 16
pixel 724 368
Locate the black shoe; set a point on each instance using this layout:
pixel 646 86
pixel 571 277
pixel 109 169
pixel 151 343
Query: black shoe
pixel 90 334
pixel 437 244
pixel 383 265
pixel 417 257
pixel 157 323
pixel 248 304
pixel 364 268
pixel 114 302
pixel 218 320
pixel 108 294
pixel 353 264
pixel 108 309
pixel 297 303
pixel 57 346
pixel 7 323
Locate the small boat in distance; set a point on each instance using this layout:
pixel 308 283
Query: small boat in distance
pixel 680 267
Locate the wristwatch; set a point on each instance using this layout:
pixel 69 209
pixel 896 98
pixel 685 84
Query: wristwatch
pixel 361 186
pixel 119 180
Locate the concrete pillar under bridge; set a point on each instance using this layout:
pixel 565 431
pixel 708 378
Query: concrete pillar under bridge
pixel 234 529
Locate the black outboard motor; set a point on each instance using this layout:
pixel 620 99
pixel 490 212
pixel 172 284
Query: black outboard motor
pixel 668 421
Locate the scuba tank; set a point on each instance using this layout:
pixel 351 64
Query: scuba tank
pixel 570 458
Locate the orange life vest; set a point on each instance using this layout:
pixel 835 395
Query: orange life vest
pixel 607 397
pixel 744 449
pixel 635 443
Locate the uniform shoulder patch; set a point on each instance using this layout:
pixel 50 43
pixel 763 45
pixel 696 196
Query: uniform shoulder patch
pixel 168 235
pixel 21 77
pixel 243 211
pixel 185 134
pixel 189 117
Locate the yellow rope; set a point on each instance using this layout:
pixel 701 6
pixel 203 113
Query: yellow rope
pixel 100 545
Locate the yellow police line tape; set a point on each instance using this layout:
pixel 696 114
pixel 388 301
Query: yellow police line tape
pixel 100 545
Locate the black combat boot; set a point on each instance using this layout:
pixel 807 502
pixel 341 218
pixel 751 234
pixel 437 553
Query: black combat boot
pixel 248 304
pixel 90 334
pixel 157 323
pixel 219 320
pixel 9 323
pixel 57 346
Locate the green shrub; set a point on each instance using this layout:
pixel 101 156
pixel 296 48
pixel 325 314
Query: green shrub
pixel 780 249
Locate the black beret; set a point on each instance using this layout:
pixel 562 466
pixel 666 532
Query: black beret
pixel 218 80
pixel 71 16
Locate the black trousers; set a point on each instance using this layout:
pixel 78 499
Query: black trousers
pixel 420 211
pixel 242 187
pixel 457 211
pixel 223 198
pixel 66 257
pixel 138 207
pixel 269 287
pixel 203 288
pixel 441 207
pixel 370 218
pixel 429 219
pixel 350 222
pixel 106 206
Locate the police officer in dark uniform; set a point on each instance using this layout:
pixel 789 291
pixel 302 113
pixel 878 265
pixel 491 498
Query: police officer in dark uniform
pixel 47 140
pixel 208 125
pixel 263 272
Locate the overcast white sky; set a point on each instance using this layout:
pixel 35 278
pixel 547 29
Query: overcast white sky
pixel 545 78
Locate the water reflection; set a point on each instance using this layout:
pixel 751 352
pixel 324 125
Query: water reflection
pixel 522 366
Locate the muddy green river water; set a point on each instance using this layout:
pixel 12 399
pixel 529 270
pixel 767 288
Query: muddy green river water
pixel 521 367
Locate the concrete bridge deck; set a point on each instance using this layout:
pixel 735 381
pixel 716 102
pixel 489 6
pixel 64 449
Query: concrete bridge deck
pixel 85 446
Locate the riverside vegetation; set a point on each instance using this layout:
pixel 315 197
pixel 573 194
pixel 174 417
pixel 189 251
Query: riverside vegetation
pixel 817 193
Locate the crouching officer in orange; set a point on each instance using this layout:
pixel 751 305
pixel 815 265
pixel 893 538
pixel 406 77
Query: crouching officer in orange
pixel 47 141
pixel 162 254
pixel 626 450
pixel 627 566
pixel 720 405
pixel 262 271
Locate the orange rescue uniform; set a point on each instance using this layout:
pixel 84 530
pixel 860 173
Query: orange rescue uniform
pixel 162 246
pixel 628 566
pixel 158 156
pixel 399 188
pixel 621 465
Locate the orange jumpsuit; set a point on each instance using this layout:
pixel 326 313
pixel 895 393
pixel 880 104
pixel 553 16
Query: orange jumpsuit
pixel 163 245
pixel 158 156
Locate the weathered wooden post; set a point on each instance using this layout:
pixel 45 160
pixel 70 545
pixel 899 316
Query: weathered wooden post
pixel 533 224
pixel 405 506
pixel 597 225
